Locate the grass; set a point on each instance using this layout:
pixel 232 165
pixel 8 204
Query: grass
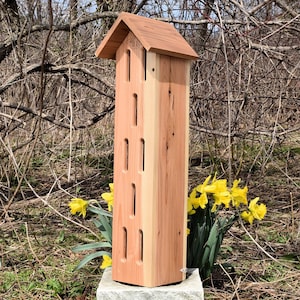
pixel 37 262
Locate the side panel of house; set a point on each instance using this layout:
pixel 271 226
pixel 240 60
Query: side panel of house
pixel 150 181
pixel 128 163
pixel 172 172
pixel 164 191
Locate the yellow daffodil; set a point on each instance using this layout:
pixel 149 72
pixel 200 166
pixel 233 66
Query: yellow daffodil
pixel 238 195
pixel 190 209
pixel 188 231
pixel 205 187
pixel 256 211
pixel 107 262
pixel 221 194
pixel 198 201
pixel 109 197
pixel 219 186
pixel 201 190
pixel 78 205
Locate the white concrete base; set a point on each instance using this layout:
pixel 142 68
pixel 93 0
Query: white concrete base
pixel 189 289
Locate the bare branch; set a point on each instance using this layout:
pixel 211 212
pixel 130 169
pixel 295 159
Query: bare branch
pixel 282 4
pixel 269 133
pixel 274 48
pixel 259 6
pixel 51 119
pixel 49 68
pixel 7 46
pixel 12 118
pixel 138 8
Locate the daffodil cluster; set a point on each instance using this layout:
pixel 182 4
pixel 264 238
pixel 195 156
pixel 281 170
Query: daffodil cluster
pixel 208 222
pixel 223 196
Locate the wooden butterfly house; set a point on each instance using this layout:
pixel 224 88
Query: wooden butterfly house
pixel 150 149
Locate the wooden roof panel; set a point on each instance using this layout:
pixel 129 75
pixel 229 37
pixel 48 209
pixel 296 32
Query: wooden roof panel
pixel 155 36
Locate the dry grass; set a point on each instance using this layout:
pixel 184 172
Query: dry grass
pixel 37 238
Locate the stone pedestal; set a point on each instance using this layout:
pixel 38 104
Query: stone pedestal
pixel 189 289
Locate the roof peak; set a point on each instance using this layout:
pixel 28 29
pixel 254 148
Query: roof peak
pixel 154 35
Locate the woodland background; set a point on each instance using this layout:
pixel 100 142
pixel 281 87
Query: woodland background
pixel 56 134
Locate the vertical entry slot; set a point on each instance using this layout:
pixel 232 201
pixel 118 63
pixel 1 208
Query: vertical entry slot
pixel 135 109
pixel 126 154
pixel 145 64
pixel 133 198
pixel 142 154
pixel 124 243
pixel 141 243
pixel 128 64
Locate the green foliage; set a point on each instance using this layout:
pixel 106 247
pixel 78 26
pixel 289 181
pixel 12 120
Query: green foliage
pixel 213 208
pixel 103 221
pixel 207 231
pixel 55 285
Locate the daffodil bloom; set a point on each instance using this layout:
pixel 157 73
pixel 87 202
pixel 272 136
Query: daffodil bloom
pixel 109 197
pixel 78 205
pixel 201 189
pixel 221 198
pixel 205 187
pixel 197 201
pixel 238 195
pixel 256 211
pixel 107 262
pixel 190 209
pixel 221 194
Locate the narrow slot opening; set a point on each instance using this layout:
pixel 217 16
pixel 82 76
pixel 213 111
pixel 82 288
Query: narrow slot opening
pixel 128 64
pixel 126 153
pixel 135 109
pixel 141 242
pixel 145 64
pixel 133 198
pixel 142 154
pixel 125 242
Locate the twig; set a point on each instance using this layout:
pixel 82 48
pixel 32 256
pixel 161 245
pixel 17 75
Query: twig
pixel 45 201
pixel 262 249
pixel 281 27
pixel 229 96
pixel 70 104
pixel 12 118
pixel 234 286
pixel 282 4
pixel 292 212
pixel 244 133
pixel 30 246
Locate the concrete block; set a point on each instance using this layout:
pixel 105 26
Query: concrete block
pixel 189 289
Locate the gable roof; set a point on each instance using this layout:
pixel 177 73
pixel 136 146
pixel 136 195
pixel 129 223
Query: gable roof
pixel 155 36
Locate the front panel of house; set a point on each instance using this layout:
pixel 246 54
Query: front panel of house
pixel 150 166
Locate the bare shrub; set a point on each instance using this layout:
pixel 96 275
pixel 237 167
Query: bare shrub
pixel 57 99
